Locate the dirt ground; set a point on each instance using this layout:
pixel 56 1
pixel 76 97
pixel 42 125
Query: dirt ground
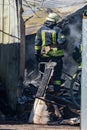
pixel 37 127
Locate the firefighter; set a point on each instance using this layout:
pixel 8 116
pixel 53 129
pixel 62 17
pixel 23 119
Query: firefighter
pixel 77 53
pixel 49 42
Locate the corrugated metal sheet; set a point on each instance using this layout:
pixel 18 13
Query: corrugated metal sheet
pixel 9 47
pixel 56 3
pixel 61 3
pixel 8 22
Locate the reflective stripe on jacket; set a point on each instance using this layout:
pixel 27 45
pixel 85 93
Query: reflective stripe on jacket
pixel 49 37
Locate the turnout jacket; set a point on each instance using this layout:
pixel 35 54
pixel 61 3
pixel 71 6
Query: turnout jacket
pixel 49 40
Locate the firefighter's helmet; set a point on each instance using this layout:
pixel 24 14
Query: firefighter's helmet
pixel 52 17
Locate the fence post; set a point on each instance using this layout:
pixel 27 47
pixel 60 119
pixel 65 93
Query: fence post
pixel 84 73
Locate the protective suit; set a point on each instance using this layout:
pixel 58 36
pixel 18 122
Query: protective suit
pixel 49 42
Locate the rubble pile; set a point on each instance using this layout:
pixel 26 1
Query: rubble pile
pixel 65 108
pixel 44 107
pixel 56 108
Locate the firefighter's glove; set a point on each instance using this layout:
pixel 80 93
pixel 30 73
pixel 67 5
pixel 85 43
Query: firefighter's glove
pixel 62 42
pixel 38 57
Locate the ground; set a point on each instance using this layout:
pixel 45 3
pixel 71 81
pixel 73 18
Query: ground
pixel 37 127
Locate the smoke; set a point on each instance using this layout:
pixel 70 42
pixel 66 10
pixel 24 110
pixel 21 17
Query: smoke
pixel 73 40
pixel 75 33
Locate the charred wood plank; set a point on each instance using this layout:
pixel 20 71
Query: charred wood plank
pixel 44 83
pixel 48 73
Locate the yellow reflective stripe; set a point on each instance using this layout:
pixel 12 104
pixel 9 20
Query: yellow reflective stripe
pixel 62 36
pixel 81 48
pixel 37 47
pixel 56 53
pixel 57 82
pixel 74 76
pixel 80 66
pixel 43 39
pixel 54 38
pixel 45 55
